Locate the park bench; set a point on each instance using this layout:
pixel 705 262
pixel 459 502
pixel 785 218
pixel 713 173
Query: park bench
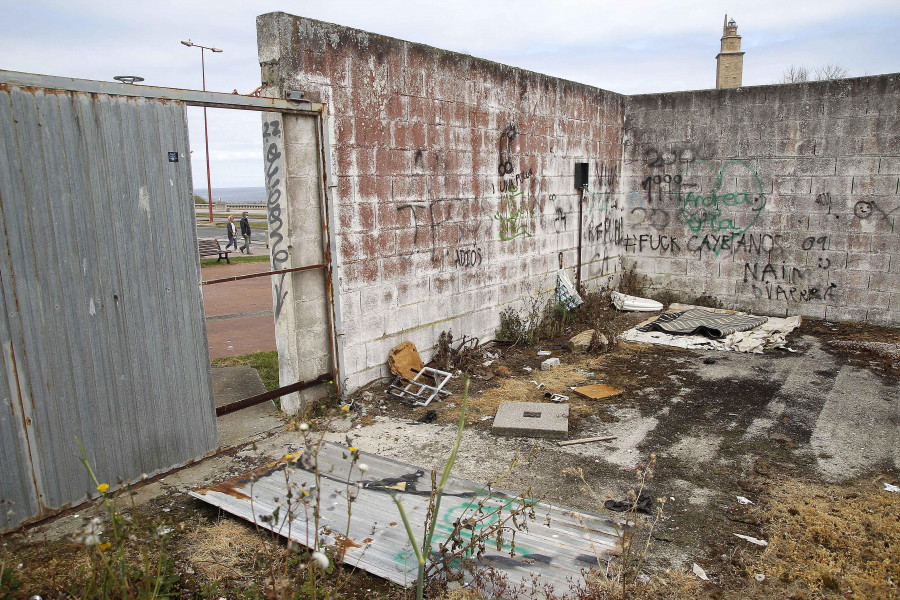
pixel 212 248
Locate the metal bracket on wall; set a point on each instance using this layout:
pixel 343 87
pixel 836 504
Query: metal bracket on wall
pixel 420 393
pixel 295 95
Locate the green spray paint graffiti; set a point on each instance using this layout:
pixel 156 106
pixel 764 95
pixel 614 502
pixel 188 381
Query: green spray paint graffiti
pixel 721 210
pixel 515 216
pixel 483 519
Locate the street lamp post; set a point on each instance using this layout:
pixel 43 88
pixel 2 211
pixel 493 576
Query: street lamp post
pixel 189 44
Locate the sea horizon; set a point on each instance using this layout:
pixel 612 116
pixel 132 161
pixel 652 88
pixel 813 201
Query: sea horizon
pixel 234 195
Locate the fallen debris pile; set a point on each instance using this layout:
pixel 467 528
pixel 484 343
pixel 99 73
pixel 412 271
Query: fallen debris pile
pixel 698 328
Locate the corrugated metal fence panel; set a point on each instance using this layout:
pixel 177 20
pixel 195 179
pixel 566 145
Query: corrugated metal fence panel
pixel 100 290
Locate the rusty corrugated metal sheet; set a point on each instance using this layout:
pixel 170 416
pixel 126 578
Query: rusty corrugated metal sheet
pixel 558 544
pixel 102 333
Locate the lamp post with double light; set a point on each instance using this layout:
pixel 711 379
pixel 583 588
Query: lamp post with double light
pixel 190 44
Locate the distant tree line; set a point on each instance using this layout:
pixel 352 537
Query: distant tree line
pixel 799 74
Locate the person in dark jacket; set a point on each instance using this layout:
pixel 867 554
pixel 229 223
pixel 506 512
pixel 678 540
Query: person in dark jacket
pixel 245 231
pixel 232 233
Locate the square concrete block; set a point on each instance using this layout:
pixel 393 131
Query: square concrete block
pixel 532 419
pixel 549 364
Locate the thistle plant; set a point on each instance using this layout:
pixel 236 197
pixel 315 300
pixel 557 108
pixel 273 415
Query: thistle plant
pixel 633 557
pixel 480 522
pixel 114 573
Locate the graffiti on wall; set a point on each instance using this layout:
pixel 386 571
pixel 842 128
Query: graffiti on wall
pixel 866 209
pixel 690 206
pixel 722 210
pixel 428 220
pixel 273 143
pixel 516 215
pixel 516 211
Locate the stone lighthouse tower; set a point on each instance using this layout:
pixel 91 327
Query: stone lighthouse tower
pixel 730 60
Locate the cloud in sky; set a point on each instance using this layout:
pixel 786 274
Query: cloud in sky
pixel 631 48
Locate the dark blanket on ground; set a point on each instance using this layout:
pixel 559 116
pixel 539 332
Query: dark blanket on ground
pixel 704 322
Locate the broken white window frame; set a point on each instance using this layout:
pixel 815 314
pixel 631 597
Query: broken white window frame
pixel 417 395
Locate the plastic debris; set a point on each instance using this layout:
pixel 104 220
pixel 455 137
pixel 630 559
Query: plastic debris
pixel 890 488
pixel 699 572
pixel 752 540
pixel 633 303
pixel 743 500
pixel 558 398
pixel 527 369
pixel 644 504
pixel 566 293
pixel 544 353
pixel 759 577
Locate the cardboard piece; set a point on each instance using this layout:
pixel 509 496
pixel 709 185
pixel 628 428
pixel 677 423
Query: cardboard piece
pixel 597 391
pixel 404 360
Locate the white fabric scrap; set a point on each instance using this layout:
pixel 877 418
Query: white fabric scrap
pixel 743 500
pixel 890 488
pixel 771 334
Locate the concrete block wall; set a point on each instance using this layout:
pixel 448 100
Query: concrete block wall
pixel 779 199
pixel 452 180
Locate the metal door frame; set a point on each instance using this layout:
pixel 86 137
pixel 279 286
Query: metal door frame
pixel 298 106
pixel 295 105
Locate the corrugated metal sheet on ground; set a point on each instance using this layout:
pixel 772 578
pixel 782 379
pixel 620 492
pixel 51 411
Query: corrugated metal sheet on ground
pixel 559 543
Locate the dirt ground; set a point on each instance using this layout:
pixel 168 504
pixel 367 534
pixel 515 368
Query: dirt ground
pixel 809 436
pixel 822 419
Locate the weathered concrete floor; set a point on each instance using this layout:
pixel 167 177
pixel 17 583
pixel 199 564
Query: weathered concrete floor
pixel 717 431
pixel 231 384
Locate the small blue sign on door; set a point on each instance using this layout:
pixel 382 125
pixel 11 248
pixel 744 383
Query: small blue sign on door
pixel 173 157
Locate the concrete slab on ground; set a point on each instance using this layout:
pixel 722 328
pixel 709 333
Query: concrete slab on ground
pixel 231 384
pixel 532 419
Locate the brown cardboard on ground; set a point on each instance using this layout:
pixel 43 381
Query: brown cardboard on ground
pixel 404 360
pixel 597 391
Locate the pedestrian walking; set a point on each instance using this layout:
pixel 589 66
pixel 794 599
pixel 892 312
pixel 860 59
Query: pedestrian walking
pixel 232 233
pixel 245 231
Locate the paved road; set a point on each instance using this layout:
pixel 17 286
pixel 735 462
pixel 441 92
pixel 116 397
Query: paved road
pixel 239 317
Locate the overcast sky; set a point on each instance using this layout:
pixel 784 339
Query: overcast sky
pixel 627 47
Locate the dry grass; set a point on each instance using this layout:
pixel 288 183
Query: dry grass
pixel 47 568
pixel 224 550
pixel 834 541
pixel 519 388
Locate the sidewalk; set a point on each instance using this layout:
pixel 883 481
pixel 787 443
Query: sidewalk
pixel 239 316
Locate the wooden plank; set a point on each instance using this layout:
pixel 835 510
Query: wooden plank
pixel 586 440
pixel 597 391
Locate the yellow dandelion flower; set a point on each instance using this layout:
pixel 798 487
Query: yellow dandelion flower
pixel 345 408
pixel 104 545
pixel 288 456
pixel 102 488
pixel 352 448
